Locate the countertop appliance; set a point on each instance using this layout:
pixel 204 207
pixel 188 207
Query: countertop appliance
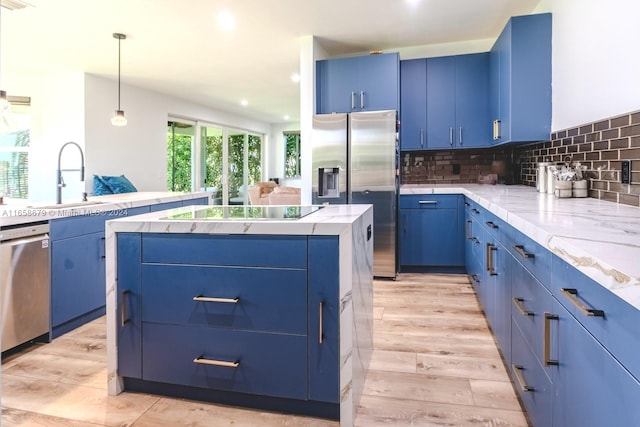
pixel 354 160
pixel 25 288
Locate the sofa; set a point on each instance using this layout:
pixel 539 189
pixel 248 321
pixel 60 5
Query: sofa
pixel 270 193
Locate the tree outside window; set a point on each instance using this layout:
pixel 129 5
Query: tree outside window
pixel 292 154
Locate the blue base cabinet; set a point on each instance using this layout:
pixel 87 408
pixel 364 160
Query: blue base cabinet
pixel 569 344
pixel 361 83
pixel 253 315
pixel 431 231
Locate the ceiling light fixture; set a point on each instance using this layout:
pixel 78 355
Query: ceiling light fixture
pixel 226 21
pixel 119 119
pixel 295 77
pixel 244 102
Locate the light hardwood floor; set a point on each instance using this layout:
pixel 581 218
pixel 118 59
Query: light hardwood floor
pixel 434 363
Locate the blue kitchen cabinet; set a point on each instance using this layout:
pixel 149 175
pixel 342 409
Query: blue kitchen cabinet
pixel 324 319
pixel 458 101
pixel 362 83
pixel 592 388
pixel 251 315
pixel 431 231
pixel 77 271
pixel 520 80
pixel 413 104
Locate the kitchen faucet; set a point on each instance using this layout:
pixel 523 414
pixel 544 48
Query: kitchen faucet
pixel 60 180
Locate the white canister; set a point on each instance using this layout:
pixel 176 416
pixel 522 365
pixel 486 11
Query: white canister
pixel 563 189
pixel 579 188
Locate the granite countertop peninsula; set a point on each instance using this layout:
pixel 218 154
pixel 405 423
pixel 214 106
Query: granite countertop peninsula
pixel 599 238
pixel 25 212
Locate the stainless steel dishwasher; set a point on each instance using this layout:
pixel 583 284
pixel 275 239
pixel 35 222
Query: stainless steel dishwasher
pixel 25 294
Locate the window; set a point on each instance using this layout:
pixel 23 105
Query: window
pixel 206 157
pixel 15 140
pixel 292 154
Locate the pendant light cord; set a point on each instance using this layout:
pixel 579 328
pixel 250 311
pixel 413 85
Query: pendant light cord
pixel 119 40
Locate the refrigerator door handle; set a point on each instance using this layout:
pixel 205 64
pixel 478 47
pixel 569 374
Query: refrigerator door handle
pixel 451 136
pixel 460 135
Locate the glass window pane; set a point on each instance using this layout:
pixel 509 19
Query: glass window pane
pixel 15 141
pixel 212 157
pixel 292 155
pixel 237 189
pixel 254 159
pixel 179 154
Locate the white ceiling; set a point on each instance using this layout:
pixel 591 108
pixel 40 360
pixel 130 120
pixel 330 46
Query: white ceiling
pixel 176 47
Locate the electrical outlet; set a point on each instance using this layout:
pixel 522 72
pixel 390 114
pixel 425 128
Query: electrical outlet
pixel 625 175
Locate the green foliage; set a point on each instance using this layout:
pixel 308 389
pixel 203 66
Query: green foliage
pixel 178 162
pixel 292 155
pixel 14 168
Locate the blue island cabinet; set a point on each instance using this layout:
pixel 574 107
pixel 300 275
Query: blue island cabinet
pixel 241 319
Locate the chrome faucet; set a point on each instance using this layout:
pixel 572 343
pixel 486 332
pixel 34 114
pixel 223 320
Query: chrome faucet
pixel 60 180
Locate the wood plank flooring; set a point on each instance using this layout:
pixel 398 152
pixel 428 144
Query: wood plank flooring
pixel 434 363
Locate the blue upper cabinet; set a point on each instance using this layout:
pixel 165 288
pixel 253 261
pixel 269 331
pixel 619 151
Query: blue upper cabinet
pixel 445 102
pixel 458 101
pixel 362 83
pixel 413 104
pixel 520 80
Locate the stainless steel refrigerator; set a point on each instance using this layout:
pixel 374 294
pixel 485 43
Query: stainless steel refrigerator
pixel 354 160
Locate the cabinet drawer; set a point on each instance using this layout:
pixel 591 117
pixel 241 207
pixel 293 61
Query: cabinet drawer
pixel 532 256
pixel 229 250
pixel 530 300
pixel 73 226
pixel 429 201
pixel 268 299
pixel 268 364
pixel 533 386
pixel 616 327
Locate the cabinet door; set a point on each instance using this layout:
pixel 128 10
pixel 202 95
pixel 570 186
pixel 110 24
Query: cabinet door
pixel 164 206
pixel 472 103
pixel 441 102
pixel 324 317
pixel 129 311
pixel 378 82
pixel 504 85
pixel 591 387
pixel 430 237
pixel 77 277
pixel 501 319
pixel 413 104
pixel 336 86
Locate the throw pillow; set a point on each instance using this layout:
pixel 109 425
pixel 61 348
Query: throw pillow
pixel 100 188
pixel 119 184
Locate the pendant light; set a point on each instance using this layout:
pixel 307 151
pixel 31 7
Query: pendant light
pixel 119 119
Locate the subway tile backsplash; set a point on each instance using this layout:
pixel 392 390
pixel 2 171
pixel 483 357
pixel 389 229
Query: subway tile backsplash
pixel 601 146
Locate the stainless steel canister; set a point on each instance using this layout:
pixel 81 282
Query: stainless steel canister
pixel 541 176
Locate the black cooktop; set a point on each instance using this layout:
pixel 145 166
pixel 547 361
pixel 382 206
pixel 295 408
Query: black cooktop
pixel 236 213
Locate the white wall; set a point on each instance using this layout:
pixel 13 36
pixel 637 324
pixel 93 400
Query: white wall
pixel 595 60
pixel 138 150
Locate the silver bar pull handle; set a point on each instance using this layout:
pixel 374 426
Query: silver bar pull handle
pixel 427 202
pixel 496 130
pixel 451 136
pixel 124 316
pixel 421 137
pixel 522 252
pixel 546 343
pixel 361 99
pixel 474 239
pixel 353 100
pixel 490 268
pixel 517 370
pixel 491 224
pixel 518 301
pixel 475 211
pixel 320 331
pixel 201 360
pixel 572 296
pixel 460 132
pixel 212 299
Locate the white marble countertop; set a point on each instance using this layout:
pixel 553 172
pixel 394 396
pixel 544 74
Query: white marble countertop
pixel 23 213
pixel 330 220
pixel 599 238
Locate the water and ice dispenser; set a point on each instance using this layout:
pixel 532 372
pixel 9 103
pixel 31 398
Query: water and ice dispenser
pixel 328 182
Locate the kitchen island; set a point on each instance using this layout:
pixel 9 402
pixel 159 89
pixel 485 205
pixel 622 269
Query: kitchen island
pixel 266 310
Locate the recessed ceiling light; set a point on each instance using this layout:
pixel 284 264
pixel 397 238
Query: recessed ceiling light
pixel 244 102
pixel 226 21
pixel 295 77
pixel 286 117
